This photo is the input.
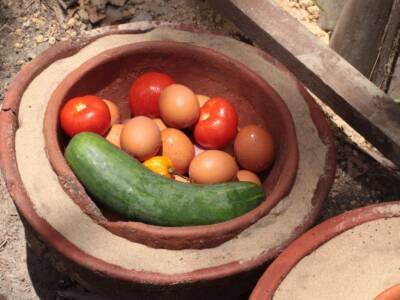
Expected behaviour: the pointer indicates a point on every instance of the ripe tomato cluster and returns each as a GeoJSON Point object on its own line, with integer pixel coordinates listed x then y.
{"type": "Point", "coordinates": [217, 122]}
{"type": "Point", "coordinates": [167, 118]}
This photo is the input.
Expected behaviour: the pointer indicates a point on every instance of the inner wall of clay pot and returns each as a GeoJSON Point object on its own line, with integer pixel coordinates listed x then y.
{"type": "Point", "coordinates": [205, 72]}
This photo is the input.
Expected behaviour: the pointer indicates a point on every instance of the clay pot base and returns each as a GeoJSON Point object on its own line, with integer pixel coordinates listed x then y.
{"type": "Point", "coordinates": [77, 237]}
{"type": "Point", "coordinates": [350, 257]}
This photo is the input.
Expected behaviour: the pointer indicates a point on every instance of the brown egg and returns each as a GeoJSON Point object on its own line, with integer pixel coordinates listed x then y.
{"type": "Point", "coordinates": [244, 175]}
{"type": "Point", "coordinates": [212, 166]}
{"type": "Point", "coordinates": [114, 112]}
{"type": "Point", "coordinates": [178, 147]}
{"type": "Point", "coordinates": [179, 107]}
{"type": "Point", "coordinates": [202, 99]}
{"type": "Point", "coordinates": [161, 125]}
{"type": "Point", "coordinates": [141, 137]}
{"type": "Point", "coordinates": [254, 148]}
{"type": "Point", "coordinates": [114, 135]}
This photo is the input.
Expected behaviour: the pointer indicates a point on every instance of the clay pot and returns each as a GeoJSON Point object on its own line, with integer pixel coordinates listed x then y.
{"type": "Point", "coordinates": [207, 72]}
{"type": "Point", "coordinates": [69, 230]}
{"type": "Point", "coordinates": [361, 231]}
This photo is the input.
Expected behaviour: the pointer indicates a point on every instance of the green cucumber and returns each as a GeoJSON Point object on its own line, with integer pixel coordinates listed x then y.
{"type": "Point", "coordinates": [123, 185]}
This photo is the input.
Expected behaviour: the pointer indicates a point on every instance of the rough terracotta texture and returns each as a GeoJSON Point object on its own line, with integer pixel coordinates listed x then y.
{"type": "Point", "coordinates": [342, 233]}
{"type": "Point", "coordinates": [123, 268]}
{"type": "Point", "coordinates": [207, 72]}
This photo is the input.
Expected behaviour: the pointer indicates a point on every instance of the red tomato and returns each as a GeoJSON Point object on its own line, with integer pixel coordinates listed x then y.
{"type": "Point", "coordinates": [217, 124]}
{"type": "Point", "coordinates": [145, 93]}
{"type": "Point", "coordinates": [86, 113]}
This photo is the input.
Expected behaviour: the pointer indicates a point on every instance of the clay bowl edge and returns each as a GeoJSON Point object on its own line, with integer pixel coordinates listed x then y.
{"type": "Point", "coordinates": [281, 177]}
{"type": "Point", "coordinates": [313, 239]}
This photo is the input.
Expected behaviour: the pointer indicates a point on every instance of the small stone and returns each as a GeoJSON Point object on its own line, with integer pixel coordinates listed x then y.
{"type": "Point", "coordinates": [300, 14]}
{"type": "Point", "coordinates": [67, 3]}
{"type": "Point", "coordinates": [38, 22]}
{"type": "Point", "coordinates": [126, 14]}
{"type": "Point", "coordinates": [72, 33]}
{"type": "Point", "coordinates": [20, 62]}
{"type": "Point", "coordinates": [306, 3]}
{"type": "Point", "coordinates": [83, 14]}
{"type": "Point", "coordinates": [71, 22]}
{"type": "Point", "coordinates": [114, 14]}
{"type": "Point", "coordinates": [52, 40]}
{"type": "Point", "coordinates": [313, 10]}
{"type": "Point", "coordinates": [26, 24]}
{"type": "Point", "coordinates": [118, 2]}
{"type": "Point", "coordinates": [39, 39]}
{"type": "Point", "coordinates": [18, 45]}
{"type": "Point", "coordinates": [141, 16]}
{"type": "Point", "coordinates": [94, 16]}
{"type": "Point", "coordinates": [18, 31]}
{"type": "Point", "coordinates": [100, 4]}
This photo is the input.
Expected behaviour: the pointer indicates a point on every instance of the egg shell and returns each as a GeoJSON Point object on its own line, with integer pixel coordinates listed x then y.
{"type": "Point", "coordinates": [245, 175]}
{"type": "Point", "coordinates": [213, 166]}
{"type": "Point", "coordinates": [179, 107]}
{"type": "Point", "coordinates": [177, 147]}
{"type": "Point", "coordinates": [254, 148]}
{"type": "Point", "coordinates": [202, 99]}
{"type": "Point", "coordinates": [141, 137]}
{"type": "Point", "coordinates": [114, 135]}
{"type": "Point", "coordinates": [114, 112]}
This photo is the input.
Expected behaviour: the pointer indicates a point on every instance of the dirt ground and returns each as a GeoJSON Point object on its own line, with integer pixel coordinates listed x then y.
{"type": "Point", "coordinates": [29, 27]}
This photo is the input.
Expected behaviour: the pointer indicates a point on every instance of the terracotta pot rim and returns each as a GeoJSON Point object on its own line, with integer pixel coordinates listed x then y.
{"type": "Point", "coordinates": [312, 240]}
{"type": "Point", "coordinates": [163, 236]}
{"type": "Point", "coordinates": [8, 126]}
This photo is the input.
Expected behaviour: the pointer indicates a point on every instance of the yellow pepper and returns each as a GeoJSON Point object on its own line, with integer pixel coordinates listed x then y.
{"type": "Point", "coordinates": [161, 165]}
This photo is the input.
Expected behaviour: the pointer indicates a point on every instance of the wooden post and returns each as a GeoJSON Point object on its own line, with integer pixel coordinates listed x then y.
{"type": "Point", "coordinates": [359, 32]}
{"type": "Point", "coordinates": [353, 97]}
{"type": "Point", "coordinates": [388, 60]}
{"type": "Point", "coordinates": [330, 13]}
